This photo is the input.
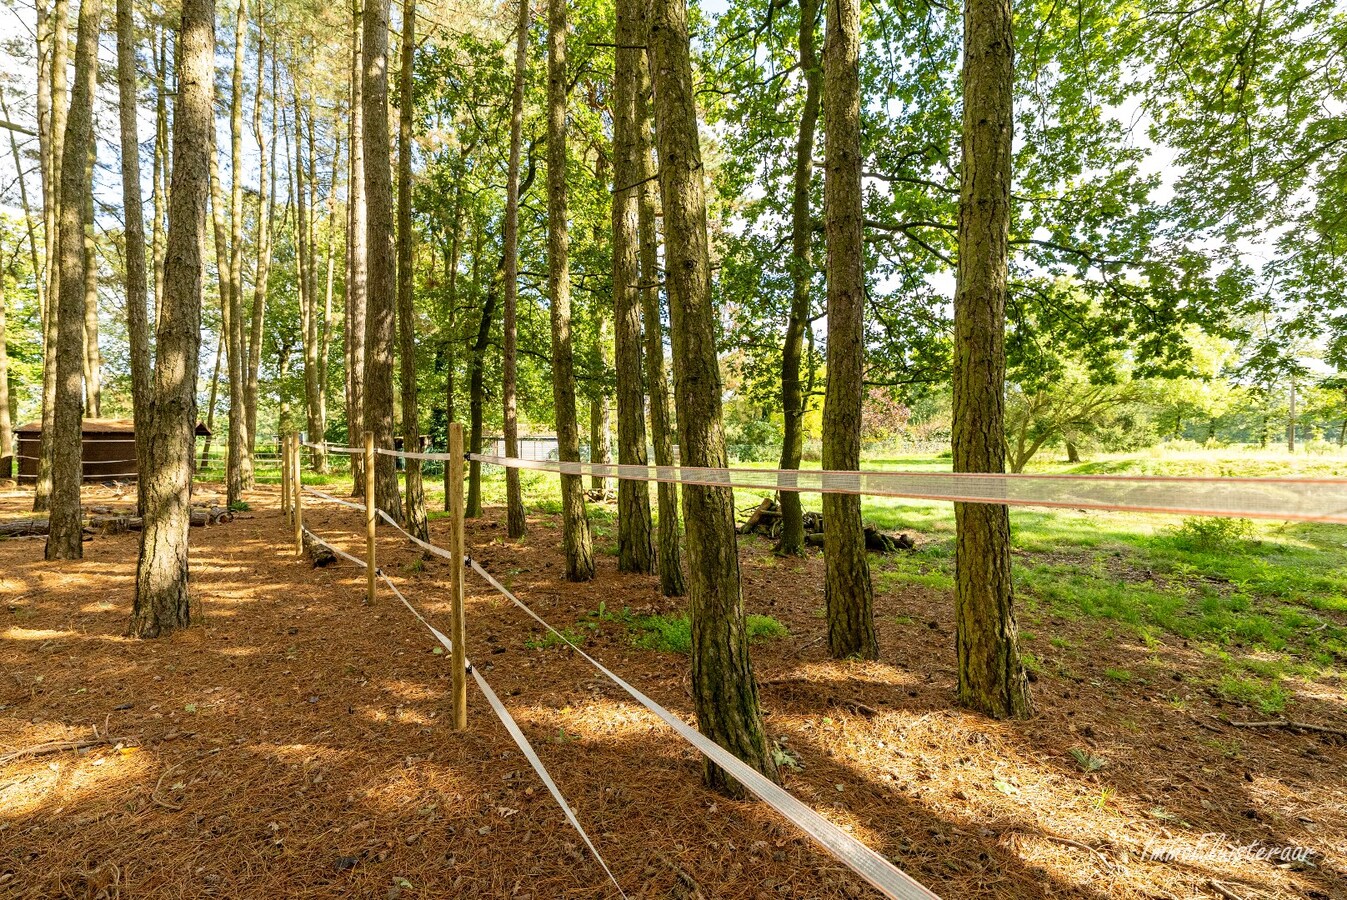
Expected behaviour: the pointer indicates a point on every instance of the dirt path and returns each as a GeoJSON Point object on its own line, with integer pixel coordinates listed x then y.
{"type": "Point", "coordinates": [296, 744]}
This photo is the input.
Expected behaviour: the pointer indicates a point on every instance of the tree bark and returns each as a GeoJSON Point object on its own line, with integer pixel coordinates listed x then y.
{"type": "Point", "coordinates": [791, 542]}
{"type": "Point", "coordinates": [576, 540]}
{"type": "Point", "coordinates": [239, 442]}
{"type": "Point", "coordinates": [211, 403]}
{"type": "Point", "coordinates": [381, 302]}
{"type": "Point", "coordinates": [600, 425]}
{"type": "Point", "coordinates": [311, 324]}
{"type": "Point", "coordinates": [93, 360]}
{"type": "Point", "coordinates": [477, 380]}
{"type": "Point", "coordinates": [233, 470]}
{"type": "Point", "coordinates": [724, 690]}
{"type": "Point", "coordinates": [357, 261]}
{"type": "Point", "coordinates": [46, 166]}
{"type": "Point", "coordinates": [671, 581]}
{"type": "Point", "coordinates": [411, 418]}
{"type": "Point", "coordinates": [162, 600]}
{"type": "Point", "coordinates": [52, 189]}
{"type": "Point", "coordinates": [849, 594]}
{"type": "Point", "coordinates": [266, 184]}
{"type": "Point", "coordinates": [6, 424]}
{"type": "Point", "coordinates": [635, 551]}
{"type": "Point", "coordinates": [991, 675]}
{"type": "Point", "coordinates": [137, 325]}
{"type": "Point", "coordinates": [514, 499]}
{"type": "Point", "coordinates": [160, 175]}
{"type": "Point", "coordinates": [66, 539]}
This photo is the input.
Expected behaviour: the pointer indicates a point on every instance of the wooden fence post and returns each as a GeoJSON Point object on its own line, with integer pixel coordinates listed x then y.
{"type": "Point", "coordinates": [457, 629]}
{"type": "Point", "coordinates": [296, 473]}
{"type": "Point", "coordinates": [369, 515]}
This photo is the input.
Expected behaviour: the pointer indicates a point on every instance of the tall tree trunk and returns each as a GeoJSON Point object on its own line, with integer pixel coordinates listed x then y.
{"type": "Point", "coordinates": [671, 581]}
{"type": "Point", "coordinates": [991, 675]}
{"type": "Point", "coordinates": [724, 690]}
{"type": "Point", "coordinates": [93, 360]}
{"type": "Point", "coordinates": [514, 499]}
{"type": "Point", "coordinates": [357, 261]}
{"type": "Point", "coordinates": [52, 189]}
{"type": "Point", "coordinates": [266, 185]}
{"type": "Point", "coordinates": [849, 594]}
{"type": "Point", "coordinates": [325, 341]}
{"type": "Point", "coordinates": [137, 326]}
{"type": "Point", "coordinates": [239, 442]}
{"type": "Point", "coordinates": [576, 541]}
{"type": "Point", "coordinates": [635, 551]}
{"type": "Point", "coordinates": [233, 470]}
{"type": "Point", "coordinates": [162, 600]}
{"type": "Point", "coordinates": [46, 167]}
{"type": "Point", "coordinates": [411, 419]}
{"type": "Point", "coordinates": [214, 397]}
{"type": "Point", "coordinates": [791, 542]}
{"type": "Point", "coordinates": [160, 176]}
{"type": "Point", "coordinates": [600, 421]}
{"type": "Point", "coordinates": [310, 321]}
{"type": "Point", "coordinates": [6, 422]}
{"type": "Point", "coordinates": [381, 302]}
{"type": "Point", "coordinates": [66, 537]}
{"type": "Point", "coordinates": [29, 222]}
{"type": "Point", "coordinates": [477, 379]}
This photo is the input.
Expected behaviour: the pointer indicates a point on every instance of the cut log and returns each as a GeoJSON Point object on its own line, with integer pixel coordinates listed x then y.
{"type": "Point", "coordinates": [24, 528]}
{"type": "Point", "coordinates": [763, 518]}
{"type": "Point", "coordinates": [319, 553]}
{"type": "Point", "coordinates": [201, 516]}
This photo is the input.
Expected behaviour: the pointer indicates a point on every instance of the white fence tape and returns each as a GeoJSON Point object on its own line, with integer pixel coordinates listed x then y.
{"type": "Point", "coordinates": [878, 871]}
{"type": "Point", "coordinates": [501, 712]}
{"type": "Point", "coordinates": [1302, 499]}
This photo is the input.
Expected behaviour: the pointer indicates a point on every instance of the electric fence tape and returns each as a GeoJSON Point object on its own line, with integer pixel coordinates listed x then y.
{"type": "Point", "coordinates": [499, 708]}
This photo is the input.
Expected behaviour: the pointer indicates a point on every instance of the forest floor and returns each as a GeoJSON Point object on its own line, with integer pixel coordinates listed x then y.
{"type": "Point", "coordinates": [296, 743]}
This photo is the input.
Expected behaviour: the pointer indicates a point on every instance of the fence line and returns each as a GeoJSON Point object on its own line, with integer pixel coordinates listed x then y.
{"type": "Point", "coordinates": [1285, 498]}
{"type": "Point", "coordinates": [865, 862]}
{"type": "Point", "coordinates": [493, 700]}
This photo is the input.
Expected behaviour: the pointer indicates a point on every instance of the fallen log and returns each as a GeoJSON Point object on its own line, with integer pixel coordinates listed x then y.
{"type": "Point", "coordinates": [117, 524]}
{"type": "Point", "coordinates": [24, 528]}
{"type": "Point", "coordinates": [875, 540]}
{"type": "Point", "coordinates": [321, 555]}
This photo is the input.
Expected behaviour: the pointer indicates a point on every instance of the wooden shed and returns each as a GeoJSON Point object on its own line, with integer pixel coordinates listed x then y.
{"type": "Point", "coordinates": [108, 448]}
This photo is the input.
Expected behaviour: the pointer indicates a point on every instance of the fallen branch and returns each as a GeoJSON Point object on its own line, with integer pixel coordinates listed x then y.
{"type": "Point", "coordinates": [1068, 842]}
{"type": "Point", "coordinates": [1288, 725]}
{"type": "Point", "coordinates": [1221, 889]}
{"type": "Point", "coordinates": [56, 747]}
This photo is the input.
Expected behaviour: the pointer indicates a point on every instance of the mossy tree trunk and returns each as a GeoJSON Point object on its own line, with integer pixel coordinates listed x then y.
{"type": "Point", "coordinates": [357, 259]}
{"type": "Point", "coordinates": [381, 302]}
{"type": "Point", "coordinates": [671, 580]}
{"type": "Point", "coordinates": [576, 540]}
{"type": "Point", "coordinates": [515, 524]}
{"type": "Point", "coordinates": [793, 399]}
{"type": "Point", "coordinates": [849, 594]}
{"type": "Point", "coordinates": [725, 692]}
{"type": "Point", "coordinates": [635, 552]}
{"type": "Point", "coordinates": [991, 674]}
{"type": "Point", "coordinates": [411, 420]}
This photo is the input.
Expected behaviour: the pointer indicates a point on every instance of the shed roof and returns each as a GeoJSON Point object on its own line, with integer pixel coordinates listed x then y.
{"type": "Point", "coordinates": [103, 426]}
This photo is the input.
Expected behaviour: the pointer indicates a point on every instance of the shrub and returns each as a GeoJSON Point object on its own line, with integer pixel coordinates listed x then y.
{"type": "Point", "coordinates": [1209, 533]}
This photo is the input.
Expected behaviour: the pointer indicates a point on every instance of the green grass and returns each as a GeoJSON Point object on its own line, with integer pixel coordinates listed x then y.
{"type": "Point", "coordinates": [673, 634]}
